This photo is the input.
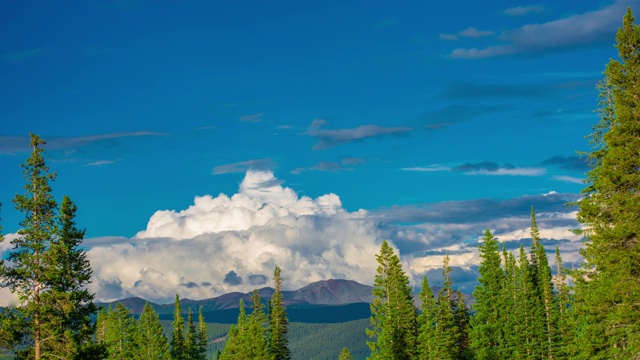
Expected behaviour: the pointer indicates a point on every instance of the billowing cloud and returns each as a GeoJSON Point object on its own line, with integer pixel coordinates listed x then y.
{"type": "Point", "coordinates": [224, 239]}
{"type": "Point", "coordinates": [331, 137]}
{"type": "Point", "coordinates": [244, 166]}
{"type": "Point", "coordinates": [523, 10]}
{"type": "Point", "coordinates": [580, 29]}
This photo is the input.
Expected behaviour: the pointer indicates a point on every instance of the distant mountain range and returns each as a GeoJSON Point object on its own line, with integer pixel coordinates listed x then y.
{"type": "Point", "coordinates": [326, 301]}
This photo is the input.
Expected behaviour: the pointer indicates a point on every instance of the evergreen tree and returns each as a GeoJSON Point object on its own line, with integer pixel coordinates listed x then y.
{"type": "Point", "coordinates": [178, 348]}
{"type": "Point", "coordinates": [528, 328]}
{"type": "Point", "coordinates": [118, 332]}
{"type": "Point", "coordinates": [426, 322]}
{"type": "Point", "coordinates": [488, 321]}
{"type": "Point", "coordinates": [607, 290]}
{"type": "Point", "coordinates": [191, 338]}
{"type": "Point", "coordinates": [463, 323]}
{"type": "Point", "coordinates": [30, 265]}
{"type": "Point", "coordinates": [345, 354]}
{"type": "Point", "coordinates": [48, 271]}
{"type": "Point", "coordinates": [278, 322]}
{"type": "Point", "coordinates": [393, 315]}
{"type": "Point", "coordinates": [153, 344]}
{"type": "Point", "coordinates": [235, 347]}
{"type": "Point", "coordinates": [565, 317]}
{"type": "Point", "coordinates": [203, 338]}
{"type": "Point", "coordinates": [447, 335]}
{"type": "Point", "coordinates": [510, 313]}
{"type": "Point", "coordinates": [256, 333]}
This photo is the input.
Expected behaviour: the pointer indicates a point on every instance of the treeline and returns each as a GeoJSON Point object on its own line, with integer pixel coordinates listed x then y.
{"type": "Point", "coordinates": [516, 312]}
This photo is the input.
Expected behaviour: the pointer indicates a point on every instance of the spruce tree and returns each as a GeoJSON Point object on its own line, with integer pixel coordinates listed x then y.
{"type": "Point", "coordinates": [191, 338]}
{"type": "Point", "coordinates": [119, 333]}
{"type": "Point", "coordinates": [565, 322]}
{"type": "Point", "coordinates": [487, 323]}
{"type": "Point", "coordinates": [203, 338]}
{"type": "Point", "coordinates": [426, 322]}
{"type": "Point", "coordinates": [150, 338]}
{"type": "Point", "coordinates": [256, 332]}
{"type": "Point", "coordinates": [608, 285]}
{"type": "Point", "coordinates": [345, 354]}
{"type": "Point", "coordinates": [393, 315]}
{"type": "Point", "coordinates": [529, 326]}
{"type": "Point", "coordinates": [178, 349]}
{"type": "Point", "coordinates": [447, 334]}
{"type": "Point", "coordinates": [507, 349]}
{"type": "Point", "coordinates": [278, 322]}
{"type": "Point", "coordinates": [235, 347]}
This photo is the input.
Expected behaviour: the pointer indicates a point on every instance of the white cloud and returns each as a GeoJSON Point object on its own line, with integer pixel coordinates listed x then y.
{"type": "Point", "coordinates": [100, 163]}
{"type": "Point", "coordinates": [430, 168]}
{"type": "Point", "coordinates": [448, 37]}
{"type": "Point", "coordinates": [263, 225]}
{"type": "Point", "coordinates": [569, 179]}
{"type": "Point", "coordinates": [526, 171]}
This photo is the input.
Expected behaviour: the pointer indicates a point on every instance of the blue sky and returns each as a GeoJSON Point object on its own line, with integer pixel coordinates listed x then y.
{"type": "Point", "coordinates": [429, 122]}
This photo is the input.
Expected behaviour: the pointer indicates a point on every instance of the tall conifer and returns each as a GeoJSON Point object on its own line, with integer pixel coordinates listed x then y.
{"type": "Point", "coordinates": [178, 349]}
{"type": "Point", "coordinates": [608, 286]}
{"type": "Point", "coordinates": [278, 322]}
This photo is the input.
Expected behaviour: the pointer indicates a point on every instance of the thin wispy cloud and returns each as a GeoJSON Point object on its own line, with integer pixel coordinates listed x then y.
{"type": "Point", "coordinates": [523, 10]}
{"type": "Point", "coordinates": [346, 164]}
{"type": "Point", "coordinates": [244, 166]}
{"type": "Point", "coordinates": [569, 179]}
{"type": "Point", "coordinates": [252, 118]}
{"type": "Point", "coordinates": [470, 32]}
{"type": "Point", "coordinates": [17, 144]}
{"type": "Point", "coordinates": [482, 168]}
{"type": "Point", "coordinates": [574, 163]}
{"type": "Point", "coordinates": [467, 90]}
{"type": "Point", "coordinates": [328, 138]}
{"type": "Point", "coordinates": [100, 163]}
{"type": "Point", "coordinates": [18, 56]}
{"type": "Point", "coordinates": [581, 29]}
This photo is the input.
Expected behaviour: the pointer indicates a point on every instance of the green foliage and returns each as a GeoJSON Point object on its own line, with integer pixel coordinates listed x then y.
{"type": "Point", "coordinates": [487, 323]}
{"type": "Point", "coordinates": [203, 339]}
{"type": "Point", "coordinates": [191, 338]}
{"type": "Point", "coordinates": [607, 293]}
{"type": "Point", "coordinates": [427, 322]}
{"type": "Point", "coordinates": [48, 271]}
{"type": "Point", "coordinates": [178, 348]}
{"type": "Point", "coordinates": [447, 334]}
{"type": "Point", "coordinates": [278, 322]}
{"type": "Point", "coordinates": [393, 315]}
{"type": "Point", "coordinates": [345, 354]}
{"type": "Point", "coordinates": [150, 338]}
{"type": "Point", "coordinates": [117, 331]}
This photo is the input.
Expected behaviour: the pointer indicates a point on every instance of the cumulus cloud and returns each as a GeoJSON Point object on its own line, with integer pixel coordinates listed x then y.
{"type": "Point", "coordinates": [579, 29]}
{"type": "Point", "coordinates": [235, 242]}
{"type": "Point", "coordinates": [244, 166]}
{"type": "Point", "coordinates": [328, 138]}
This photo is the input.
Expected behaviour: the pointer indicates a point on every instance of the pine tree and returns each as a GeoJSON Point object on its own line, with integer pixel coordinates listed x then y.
{"type": "Point", "coordinates": [507, 349]}
{"type": "Point", "coordinates": [528, 329]}
{"type": "Point", "coordinates": [203, 338]}
{"type": "Point", "coordinates": [345, 354]}
{"type": "Point", "coordinates": [278, 322]}
{"type": "Point", "coordinates": [153, 344]}
{"type": "Point", "coordinates": [178, 349]}
{"type": "Point", "coordinates": [447, 335]}
{"type": "Point", "coordinates": [426, 322]}
{"type": "Point", "coordinates": [607, 290]}
{"type": "Point", "coordinates": [487, 323]}
{"type": "Point", "coordinates": [393, 315]}
{"type": "Point", "coordinates": [463, 323]}
{"type": "Point", "coordinates": [565, 316]}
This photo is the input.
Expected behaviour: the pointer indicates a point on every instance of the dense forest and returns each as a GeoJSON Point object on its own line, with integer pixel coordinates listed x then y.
{"type": "Point", "coordinates": [520, 309]}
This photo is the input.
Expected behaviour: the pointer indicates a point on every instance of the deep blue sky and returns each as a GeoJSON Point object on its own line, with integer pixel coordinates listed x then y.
{"type": "Point", "coordinates": [396, 107]}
